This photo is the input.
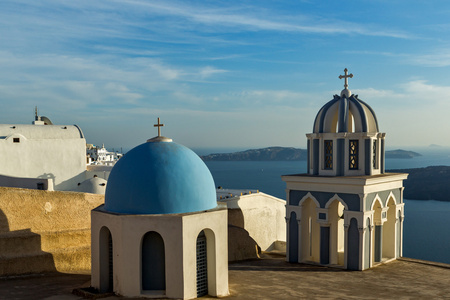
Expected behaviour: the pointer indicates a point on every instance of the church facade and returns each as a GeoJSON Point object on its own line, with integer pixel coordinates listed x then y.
{"type": "Point", "coordinates": [346, 211]}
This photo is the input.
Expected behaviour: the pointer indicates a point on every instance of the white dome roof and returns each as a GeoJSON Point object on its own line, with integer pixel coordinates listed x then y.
{"type": "Point", "coordinates": [93, 185]}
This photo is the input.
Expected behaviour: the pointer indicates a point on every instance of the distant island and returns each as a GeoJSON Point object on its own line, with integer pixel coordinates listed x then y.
{"type": "Point", "coordinates": [401, 154]}
{"type": "Point", "coordinates": [264, 154]}
{"type": "Point", "coordinates": [430, 183]}
{"type": "Point", "coordinates": [286, 154]}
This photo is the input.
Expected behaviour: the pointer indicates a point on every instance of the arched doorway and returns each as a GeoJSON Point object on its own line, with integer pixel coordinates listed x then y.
{"type": "Point", "coordinates": [353, 245]}
{"type": "Point", "coordinates": [106, 260]}
{"type": "Point", "coordinates": [377, 240]}
{"type": "Point", "coordinates": [389, 229]}
{"type": "Point", "coordinates": [202, 265]}
{"type": "Point", "coordinates": [293, 238]}
{"type": "Point", "coordinates": [337, 238]}
{"type": "Point", "coordinates": [153, 262]}
{"type": "Point", "coordinates": [310, 232]}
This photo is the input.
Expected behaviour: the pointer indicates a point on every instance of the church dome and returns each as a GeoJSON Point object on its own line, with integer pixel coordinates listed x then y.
{"type": "Point", "coordinates": [160, 177]}
{"type": "Point", "coordinates": [345, 114]}
{"type": "Point", "coordinates": [94, 185]}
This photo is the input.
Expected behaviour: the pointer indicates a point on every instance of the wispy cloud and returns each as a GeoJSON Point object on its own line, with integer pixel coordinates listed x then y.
{"type": "Point", "coordinates": [434, 58]}
{"type": "Point", "coordinates": [253, 18]}
{"type": "Point", "coordinates": [208, 71]}
{"type": "Point", "coordinates": [439, 58]}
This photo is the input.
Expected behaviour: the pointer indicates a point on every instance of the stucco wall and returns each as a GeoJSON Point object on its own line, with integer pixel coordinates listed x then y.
{"type": "Point", "coordinates": [45, 231]}
{"type": "Point", "coordinates": [26, 183]}
{"type": "Point", "coordinates": [261, 215]}
{"type": "Point", "coordinates": [45, 155]}
{"type": "Point", "coordinates": [101, 171]}
{"type": "Point", "coordinates": [41, 211]}
{"type": "Point", "coordinates": [179, 234]}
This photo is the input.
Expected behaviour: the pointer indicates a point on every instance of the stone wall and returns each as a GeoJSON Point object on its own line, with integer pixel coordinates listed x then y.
{"type": "Point", "coordinates": [45, 231]}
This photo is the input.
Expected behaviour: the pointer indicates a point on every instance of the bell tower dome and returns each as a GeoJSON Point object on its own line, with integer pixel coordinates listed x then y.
{"type": "Point", "coordinates": [346, 140]}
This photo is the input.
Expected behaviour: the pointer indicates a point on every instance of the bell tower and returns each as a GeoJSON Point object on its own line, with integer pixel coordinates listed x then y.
{"type": "Point", "coordinates": [345, 211]}
{"type": "Point", "coordinates": [345, 139]}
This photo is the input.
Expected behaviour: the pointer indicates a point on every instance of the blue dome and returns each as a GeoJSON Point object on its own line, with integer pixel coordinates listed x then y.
{"type": "Point", "coordinates": [160, 177]}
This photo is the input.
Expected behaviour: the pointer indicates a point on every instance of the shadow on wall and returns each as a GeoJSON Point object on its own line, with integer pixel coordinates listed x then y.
{"type": "Point", "coordinates": [47, 176]}
{"type": "Point", "coordinates": [4, 225]}
{"type": "Point", "coordinates": [21, 251]}
{"type": "Point", "coordinates": [71, 183]}
{"type": "Point", "coordinates": [240, 244]}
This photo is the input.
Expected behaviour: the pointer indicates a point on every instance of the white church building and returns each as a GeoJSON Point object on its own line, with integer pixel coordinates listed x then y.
{"type": "Point", "coordinates": [346, 211]}
{"type": "Point", "coordinates": [45, 156]}
{"type": "Point", "coordinates": [42, 155]}
{"type": "Point", "coordinates": [160, 232]}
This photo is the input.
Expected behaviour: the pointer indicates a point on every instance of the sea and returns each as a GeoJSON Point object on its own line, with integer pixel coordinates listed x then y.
{"type": "Point", "coordinates": [426, 232]}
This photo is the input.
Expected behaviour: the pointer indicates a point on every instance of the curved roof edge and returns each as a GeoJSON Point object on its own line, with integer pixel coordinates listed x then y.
{"type": "Point", "coordinates": [352, 105]}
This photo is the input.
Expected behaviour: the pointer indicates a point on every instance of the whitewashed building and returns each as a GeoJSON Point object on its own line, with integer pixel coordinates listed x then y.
{"type": "Point", "coordinates": [100, 155]}
{"type": "Point", "coordinates": [346, 211]}
{"type": "Point", "coordinates": [160, 232]}
{"type": "Point", "coordinates": [42, 155]}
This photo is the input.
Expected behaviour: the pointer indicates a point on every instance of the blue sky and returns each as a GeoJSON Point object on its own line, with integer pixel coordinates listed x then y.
{"type": "Point", "coordinates": [233, 74]}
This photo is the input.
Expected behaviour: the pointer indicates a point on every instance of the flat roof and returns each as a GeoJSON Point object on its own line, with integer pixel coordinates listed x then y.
{"type": "Point", "coordinates": [230, 193]}
{"type": "Point", "coordinates": [271, 277]}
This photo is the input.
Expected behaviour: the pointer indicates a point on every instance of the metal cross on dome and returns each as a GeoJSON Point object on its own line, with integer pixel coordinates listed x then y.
{"type": "Point", "coordinates": [346, 76]}
{"type": "Point", "coordinates": [159, 125]}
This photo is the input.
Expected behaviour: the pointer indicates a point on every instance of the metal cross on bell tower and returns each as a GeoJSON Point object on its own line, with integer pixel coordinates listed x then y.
{"type": "Point", "coordinates": [346, 92]}
{"type": "Point", "coordinates": [346, 76]}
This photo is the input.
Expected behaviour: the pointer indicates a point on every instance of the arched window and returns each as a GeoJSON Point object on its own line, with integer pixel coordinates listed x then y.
{"type": "Point", "coordinates": [328, 154]}
{"type": "Point", "coordinates": [153, 262]}
{"type": "Point", "coordinates": [106, 260]}
{"type": "Point", "coordinates": [293, 238]}
{"type": "Point", "coordinates": [202, 265]}
{"type": "Point", "coordinates": [353, 245]}
{"type": "Point", "coordinates": [353, 154]}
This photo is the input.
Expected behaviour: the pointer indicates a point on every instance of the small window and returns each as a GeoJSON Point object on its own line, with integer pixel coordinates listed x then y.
{"type": "Point", "coordinates": [328, 146]}
{"type": "Point", "coordinates": [354, 153]}
{"type": "Point", "coordinates": [16, 140]}
{"type": "Point", "coordinates": [374, 155]}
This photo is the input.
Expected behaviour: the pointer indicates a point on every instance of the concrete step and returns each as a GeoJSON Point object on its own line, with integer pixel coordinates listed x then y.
{"type": "Point", "coordinates": [73, 259]}
{"type": "Point", "coordinates": [25, 252]}
{"type": "Point", "coordinates": [65, 239]}
{"type": "Point", "coordinates": [38, 262]}
{"type": "Point", "coordinates": [21, 241]}
{"type": "Point", "coordinates": [27, 242]}
{"type": "Point", "coordinates": [69, 260]}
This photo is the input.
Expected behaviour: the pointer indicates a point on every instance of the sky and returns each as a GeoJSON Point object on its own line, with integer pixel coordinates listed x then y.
{"type": "Point", "coordinates": [224, 74]}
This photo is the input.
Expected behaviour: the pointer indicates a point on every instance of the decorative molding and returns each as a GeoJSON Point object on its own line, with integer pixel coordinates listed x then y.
{"type": "Point", "coordinates": [377, 198]}
{"type": "Point", "coordinates": [336, 197]}
{"type": "Point", "coordinates": [309, 196]}
{"type": "Point", "coordinates": [391, 195]}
